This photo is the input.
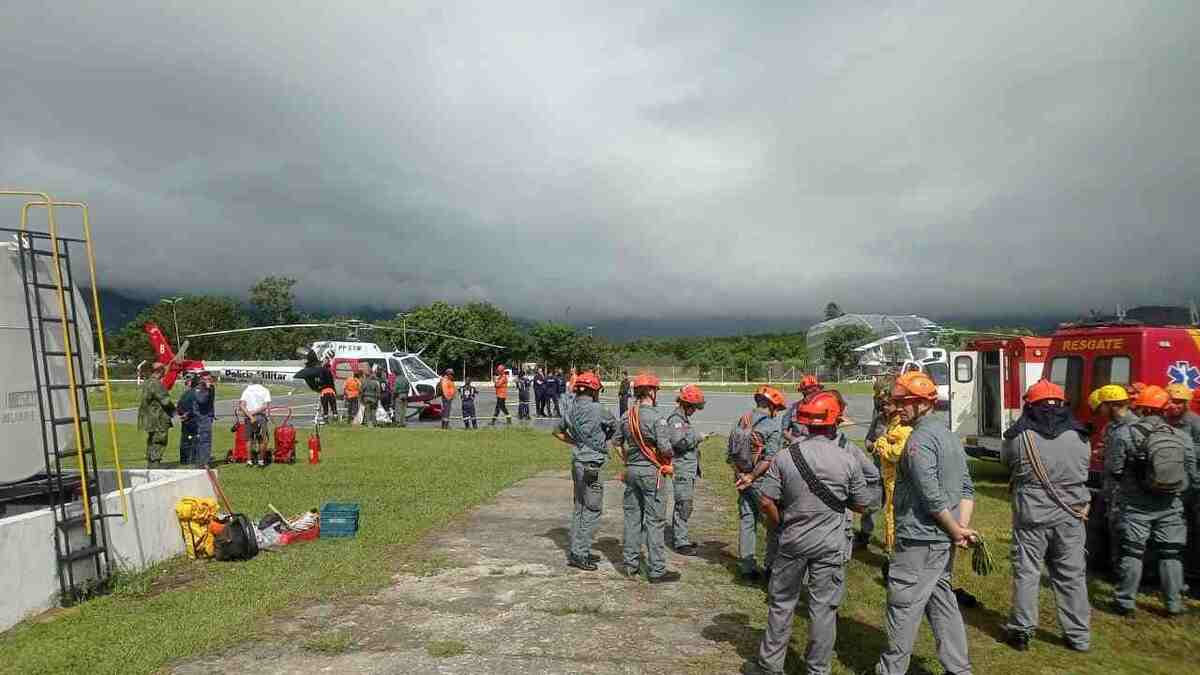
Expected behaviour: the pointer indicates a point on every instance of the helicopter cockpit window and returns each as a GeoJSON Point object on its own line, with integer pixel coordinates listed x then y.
{"type": "Point", "coordinates": [418, 369]}
{"type": "Point", "coordinates": [395, 366]}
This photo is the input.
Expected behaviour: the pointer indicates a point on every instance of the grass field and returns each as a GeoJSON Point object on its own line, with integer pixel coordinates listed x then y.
{"type": "Point", "coordinates": [406, 481]}
{"type": "Point", "coordinates": [128, 394]}
{"type": "Point", "coordinates": [409, 481]}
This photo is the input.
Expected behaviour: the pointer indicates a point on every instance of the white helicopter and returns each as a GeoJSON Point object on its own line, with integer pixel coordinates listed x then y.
{"type": "Point", "coordinates": [326, 362]}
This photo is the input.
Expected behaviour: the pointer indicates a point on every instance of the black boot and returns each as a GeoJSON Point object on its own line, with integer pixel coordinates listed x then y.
{"type": "Point", "coordinates": [581, 564]}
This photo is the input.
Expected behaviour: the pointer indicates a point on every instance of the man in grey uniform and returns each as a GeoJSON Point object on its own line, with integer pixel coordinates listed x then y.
{"type": "Point", "coordinates": [812, 484]}
{"type": "Point", "coordinates": [758, 428]}
{"type": "Point", "coordinates": [1148, 515]}
{"type": "Point", "coordinates": [1112, 406]}
{"type": "Point", "coordinates": [685, 442]}
{"type": "Point", "coordinates": [1048, 453]}
{"type": "Point", "coordinates": [646, 446]}
{"type": "Point", "coordinates": [1187, 421]}
{"type": "Point", "coordinates": [934, 501]}
{"type": "Point", "coordinates": [586, 426]}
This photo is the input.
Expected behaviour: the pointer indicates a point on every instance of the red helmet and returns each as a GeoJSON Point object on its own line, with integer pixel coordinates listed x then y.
{"type": "Point", "coordinates": [692, 395]}
{"type": "Point", "coordinates": [914, 384]}
{"type": "Point", "coordinates": [1045, 390]}
{"type": "Point", "coordinates": [772, 394]}
{"type": "Point", "coordinates": [587, 380]}
{"type": "Point", "coordinates": [645, 380]}
{"type": "Point", "coordinates": [822, 410]}
{"type": "Point", "coordinates": [807, 382]}
{"type": "Point", "coordinates": [1153, 397]}
{"type": "Point", "coordinates": [1196, 401]}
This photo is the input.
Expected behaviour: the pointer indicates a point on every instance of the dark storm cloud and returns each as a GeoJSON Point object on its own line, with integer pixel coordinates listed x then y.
{"type": "Point", "coordinates": [672, 161]}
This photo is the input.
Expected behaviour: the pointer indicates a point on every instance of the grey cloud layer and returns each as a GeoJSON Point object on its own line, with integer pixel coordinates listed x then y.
{"type": "Point", "coordinates": [952, 159]}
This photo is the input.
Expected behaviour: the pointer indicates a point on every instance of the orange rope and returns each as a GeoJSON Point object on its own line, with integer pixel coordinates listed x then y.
{"type": "Point", "coordinates": [635, 430]}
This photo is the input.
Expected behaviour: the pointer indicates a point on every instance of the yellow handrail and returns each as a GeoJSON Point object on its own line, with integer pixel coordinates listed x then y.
{"type": "Point", "coordinates": [112, 418]}
{"type": "Point", "coordinates": [62, 305]}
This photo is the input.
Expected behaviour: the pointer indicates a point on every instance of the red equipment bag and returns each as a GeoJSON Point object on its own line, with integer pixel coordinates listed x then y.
{"type": "Point", "coordinates": [285, 441]}
{"type": "Point", "coordinates": [240, 453]}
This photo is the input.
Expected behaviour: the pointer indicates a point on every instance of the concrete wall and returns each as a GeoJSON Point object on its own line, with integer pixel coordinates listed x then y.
{"type": "Point", "coordinates": [29, 581]}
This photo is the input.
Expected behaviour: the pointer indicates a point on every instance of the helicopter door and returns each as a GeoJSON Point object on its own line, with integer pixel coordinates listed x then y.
{"type": "Point", "coordinates": [342, 369]}
{"type": "Point", "coordinates": [964, 381]}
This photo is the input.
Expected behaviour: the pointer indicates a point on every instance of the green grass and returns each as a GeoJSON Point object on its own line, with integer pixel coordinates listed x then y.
{"type": "Point", "coordinates": [1145, 644]}
{"type": "Point", "coordinates": [128, 394]}
{"type": "Point", "coordinates": [335, 642]}
{"type": "Point", "coordinates": [443, 649]}
{"type": "Point", "coordinates": [406, 482]}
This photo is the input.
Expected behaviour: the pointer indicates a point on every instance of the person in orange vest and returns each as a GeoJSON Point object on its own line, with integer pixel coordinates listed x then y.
{"type": "Point", "coordinates": [447, 391]}
{"type": "Point", "coordinates": [352, 388]}
{"type": "Point", "coordinates": [501, 382]}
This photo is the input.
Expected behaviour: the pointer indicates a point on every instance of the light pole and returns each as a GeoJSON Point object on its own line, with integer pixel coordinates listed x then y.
{"type": "Point", "coordinates": [174, 316]}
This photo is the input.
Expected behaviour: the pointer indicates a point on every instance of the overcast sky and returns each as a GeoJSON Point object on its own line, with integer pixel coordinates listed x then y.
{"type": "Point", "coordinates": [667, 160]}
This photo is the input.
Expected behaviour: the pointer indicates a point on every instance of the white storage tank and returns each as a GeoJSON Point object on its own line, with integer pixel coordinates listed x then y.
{"type": "Point", "coordinates": [21, 425]}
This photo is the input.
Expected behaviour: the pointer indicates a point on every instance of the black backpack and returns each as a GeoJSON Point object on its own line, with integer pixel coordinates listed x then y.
{"type": "Point", "coordinates": [237, 541]}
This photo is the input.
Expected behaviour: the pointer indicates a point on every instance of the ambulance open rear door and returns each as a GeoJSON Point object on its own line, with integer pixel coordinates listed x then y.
{"type": "Point", "coordinates": [964, 381]}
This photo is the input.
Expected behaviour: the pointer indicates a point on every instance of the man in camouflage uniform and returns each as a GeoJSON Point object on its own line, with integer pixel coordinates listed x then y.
{"type": "Point", "coordinates": [154, 415]}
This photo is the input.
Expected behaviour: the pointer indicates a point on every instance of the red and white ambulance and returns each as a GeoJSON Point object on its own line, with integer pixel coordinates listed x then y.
{"type": "Point", "coordinates": [987, 381]}
{"type": "Point", "coordinates": [1084, 358]}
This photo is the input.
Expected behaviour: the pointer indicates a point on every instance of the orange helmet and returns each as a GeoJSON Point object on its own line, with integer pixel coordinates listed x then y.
{"type": "Point", "coordinates": [1196, 401]}
{"type": "Point", "coordinates": [1153, 397]}
{"type": "Point", "coordinates": [1137, 387]}
{"type": "Point", "coordinates": [772, 395]}
{"type": "Point", "coordinates": [1045, 390]}
{"type": "Point", "coordinates": [645, 380]}
{"type": "Point", "coordinates": [822, 410]}
{"type": "Point", "coordinates": [692, 395]}
{"type": "Point", "coordinates": [807, 382]}
{"type": "Point", "coordinates": [1179, 392]}
{"type": "Point", "coordinates": [587, 380]}
{"type": "Point", "coordinates": [914, 384]}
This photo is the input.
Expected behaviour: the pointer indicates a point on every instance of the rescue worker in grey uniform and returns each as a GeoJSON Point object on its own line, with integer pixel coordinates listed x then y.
{"type": "Point", "coordinates": [934, 501]}
{"type": "Point", "coordinates": [1148, 516]}
{"type": "Point", "coordinates": [1178, 415]}
{"type": "Point", "coordinates": [587, 426]}
{"type": "Point", "coordinates": [812, 547]}
{"type": "Point", "coordinates": [1112, 406]}
{"type": "Point", "coordinates": [1048, 517]}
{"type": "Point", "coordinates": [750, 478]}
{"type": "Point", "coordinates": [685, 443]}
{"type": "Point", "coordinates": [646, 446]}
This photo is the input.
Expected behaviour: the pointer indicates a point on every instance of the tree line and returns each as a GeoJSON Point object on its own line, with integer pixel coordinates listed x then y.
{"type": "Point", "coordinates": [271, 301]}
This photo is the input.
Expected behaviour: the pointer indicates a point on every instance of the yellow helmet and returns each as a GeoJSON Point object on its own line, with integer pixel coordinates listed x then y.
{"type": "Point", "coordinates": [1179, 392]}
{"type": "Point", "coordinates": [1094, 400]}
{"type": "Point", "coordinates": [1109, 393]}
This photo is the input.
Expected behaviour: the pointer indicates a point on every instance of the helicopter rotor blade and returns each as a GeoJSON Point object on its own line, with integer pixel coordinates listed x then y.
{"type": "Point", "coordinates": [233, 331]}
{"type": "Point", "coordinates": [431, 332]}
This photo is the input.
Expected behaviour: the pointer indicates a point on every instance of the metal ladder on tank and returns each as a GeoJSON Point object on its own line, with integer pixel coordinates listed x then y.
{"type": "Point", "coordinates": [80, 536]}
